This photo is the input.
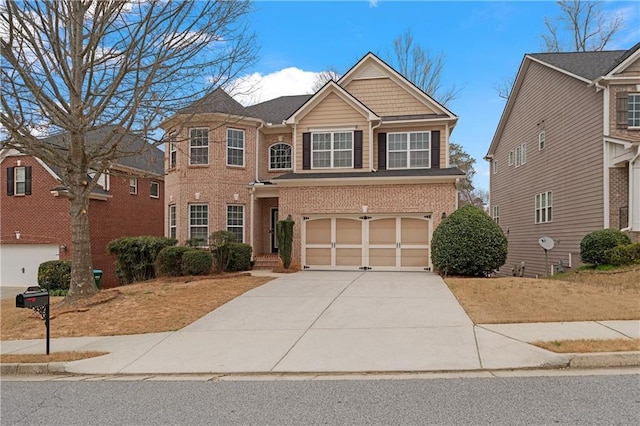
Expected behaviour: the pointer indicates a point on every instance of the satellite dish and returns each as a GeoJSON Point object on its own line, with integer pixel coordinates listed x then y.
{"type": "Point", "coordinates": [547, 243]}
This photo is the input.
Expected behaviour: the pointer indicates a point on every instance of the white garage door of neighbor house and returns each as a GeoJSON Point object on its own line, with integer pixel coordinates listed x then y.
{"type": "Point", "coordinates": [19, 263]}
{"type": "Point", "coordinates": [377, 243]}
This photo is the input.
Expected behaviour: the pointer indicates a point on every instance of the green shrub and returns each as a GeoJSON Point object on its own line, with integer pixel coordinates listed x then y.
{"type": "Point", "coordinates": [169, 261]}
{"type": "Point", "coordinates": [196, 262]}
{"type": "Point", "coordinates": [219, 245]}
{"type": "Point", "coordinates": [594, 245]}
{"type": "Point", "coordinates": [56, 272]}
{"type": "Point", "coordinates": [135, 256]}
{"type": "Point", "coordinates": [468, 243]}
{"type": "Point", "coordinates": [284, 235]}
{"type": "Point", "coordinates": [240, 257]}
{"type": "Point", "coordinates": [623, 255]}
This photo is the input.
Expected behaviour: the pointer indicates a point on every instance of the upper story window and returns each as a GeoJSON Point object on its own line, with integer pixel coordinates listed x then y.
{"type": "Point", "coordinates": [154, 190]}
{"type": "Point", "coordinates": [103, 180]}
{"type": "Point", "coordinates": [133, 185]}
{"type": "Point", "coordinates": [235, 147]}
{"type": "Point", "coordinates": [495, 214]}
{"type": "Point", "coordinates": [633, 112]}
{"type": "Point", "coordinates": [173, 150]}
{"type": "Point", "coordinates": [408, 150]}
{"type": "Point", "coordinates": [19, 180]}
{"type": "Point", "coordinates": [544, 203]}
{"type": "Point", "coordinates": [198, 146]}
{"type": "Point", "coordinates": [280, 156]}
{"type": "Point", "coordinates": [331, 149]}
{"type": "Point", "coordinates": [520, 155]}
{"type": "Point", "coordinates": [541, 140]}
{"type": "Point", "coordinates": [510, 158]}
{"type": "Point", "coordinates": [495, 167]}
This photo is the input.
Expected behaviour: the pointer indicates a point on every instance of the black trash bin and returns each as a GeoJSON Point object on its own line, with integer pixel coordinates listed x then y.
{"type": "Point", "coordinates": [97, 276]}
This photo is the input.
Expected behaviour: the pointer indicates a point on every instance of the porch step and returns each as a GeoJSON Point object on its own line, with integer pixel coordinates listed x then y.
{"type": "Point", "coordinates": [266, 262]}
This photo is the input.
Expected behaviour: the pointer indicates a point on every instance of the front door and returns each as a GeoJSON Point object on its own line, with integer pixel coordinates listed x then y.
{"type": "Point", "coordinates": [272, 231]}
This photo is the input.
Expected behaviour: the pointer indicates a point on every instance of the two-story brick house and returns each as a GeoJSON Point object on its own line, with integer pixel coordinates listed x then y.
{"type": "Point", "coordinates": [35, 225]}
{"type": "Point", "coordinates": [565, 156]}
{"type": "Point", "coordinates": [361, 166]}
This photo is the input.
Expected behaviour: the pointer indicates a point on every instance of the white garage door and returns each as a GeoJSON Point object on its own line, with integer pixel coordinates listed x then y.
{"type": "Point", "coordinates": [380, 243]}
{"type": "Point", "coordinates": [19, 263]}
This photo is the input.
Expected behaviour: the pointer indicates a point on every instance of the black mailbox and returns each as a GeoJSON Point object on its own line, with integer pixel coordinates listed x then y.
{"type": "Point", "coordinates": [32, 298]}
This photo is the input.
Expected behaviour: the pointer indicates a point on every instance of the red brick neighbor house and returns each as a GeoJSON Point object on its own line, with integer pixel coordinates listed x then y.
{"type": "Point", "coordinates": [361, 166]}
{"type": "Point", "coordinates": [565, 158]}
{"type": "Point", "coordinates": [34, 218]}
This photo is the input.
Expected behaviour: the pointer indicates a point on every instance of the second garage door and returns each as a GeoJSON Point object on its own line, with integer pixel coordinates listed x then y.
{"type": "Point", "coordinates": [367, 243]}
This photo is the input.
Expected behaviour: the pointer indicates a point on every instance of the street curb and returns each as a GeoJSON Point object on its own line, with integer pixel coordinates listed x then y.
{"type": "Point", "coordinates": [608, 359]}
{"type": "Point", "coordinates": [32, 369]}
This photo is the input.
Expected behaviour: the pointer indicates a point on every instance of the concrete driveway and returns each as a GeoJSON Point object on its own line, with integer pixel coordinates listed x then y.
{"type": "Point", "coordinates": [320, 322]}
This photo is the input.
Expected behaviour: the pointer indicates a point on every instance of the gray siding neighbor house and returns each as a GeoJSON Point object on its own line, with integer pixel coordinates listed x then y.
{"type": "Point", "coordinates": [565, 158]}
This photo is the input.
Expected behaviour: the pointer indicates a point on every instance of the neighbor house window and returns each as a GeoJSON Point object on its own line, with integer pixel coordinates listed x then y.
{"type": "Point", "coordinates": [235, 221]}
{"type": "Point", "coordinates": [199, 146]}
{"type": "Point", "coordinates": [19, 180]}
{"type": "Point", "coordinates": [199, 223]}
{"type": "Point", "coordinates": [544, 203]}
{"type": "Point", "coordinates": [520, 155]}
{"type": "Point", "coordinates": [172, 221]}
{"type": "Point", "coordinates": [280, 156]}
{"type": "Point", "coordinates": [133, 185]}
{"type": "Point", "coordinates": [634, 110]}
{"type": "Point", "coordinates": [154, 190]}
{"type": "Point", "coordinates": [541, 140]}
{"type": "Point", "coordinates": [495, 214]}
{"type": "Point", "coordinates": [235, 147]}
{"type": "Point", "coordinates": [495, 166]}
{"type": "Point", "coordinates": [408, 150]}
{"type": "Point", "coordinates": [510, 158]}
{"type": "Point", "coordinates": [331, 149]}
{"type": "Point", "coordinates": [173, 150]}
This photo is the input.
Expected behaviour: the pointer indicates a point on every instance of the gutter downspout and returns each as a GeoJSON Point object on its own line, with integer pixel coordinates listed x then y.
{"type": "Point", "coordinates": [371, 142]}
{"type": "Point", "coordinates": [252, 191]}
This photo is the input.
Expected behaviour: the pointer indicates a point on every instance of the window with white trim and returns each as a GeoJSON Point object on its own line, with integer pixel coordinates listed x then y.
{"type": "Point", "coordinates": [520, 155]}
{"type": "Point", "coordinates": [173, 150]}
{"type": "Point", "coordinates": [332, 149]}
{"type": "Point", "coordinates": [133, 185]}
{"type": "Point", "coordinates": [541, 140]}
{"type": "Point", "coordinates": [19, 180]}
{"type": "Point", "coordinates": [280, 156]}
{"type": "Point", "coordinates": [199, 223]}
{"type": "Point", "coordinates": [172, 221]}
{"type": "Point", "coordinates": [495, 214]}
{"type": "Point", "coordinates": [408, 150]}
{"type": "Point", "coordinates": [198, 146]}
{"type": "Point", "coordinates": [235, 147]}
{"type": "Point", "coordinates": [544, 204]}
{"type": "Point", "coordinates": [154, 190]}
{"type": "Point", "coordinates": [494, 163]}
{"type": "Point", "coordinates": [235, 221]}
{"type": "Point", "coordinates": [633, 111]}
{"type": "Point", "coordinates": [510, 158]}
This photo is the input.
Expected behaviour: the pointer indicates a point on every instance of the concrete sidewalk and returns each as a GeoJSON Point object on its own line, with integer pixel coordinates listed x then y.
{"type": "Point", "coordinates": [321, 322]}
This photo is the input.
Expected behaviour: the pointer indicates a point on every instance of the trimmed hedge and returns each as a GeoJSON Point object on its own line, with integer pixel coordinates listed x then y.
{"type": "Point", "coordinates": [135, 256]}
{"type": "Point", "coordinates": [594, 245]}
{"type": "Point", "coordinates": [56, 272]}
{"type": "Point", "coordinates": [168, 263]}
{"type": "Point", "coordinates": [196, 262]}
{"type": "Point", "coordinates": [623, 255]}
{"type": "Point", "coordinates": [240, 257]}
{"type": "Point", "coordinates": [468, 243]}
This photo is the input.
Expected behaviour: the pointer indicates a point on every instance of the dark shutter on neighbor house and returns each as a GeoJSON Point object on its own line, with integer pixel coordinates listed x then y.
{"type": "Point", "coordinates": [382, 151]}
{"type": "Point", "coordinates": [357, 149]}
{"type": "Point", "coordinates": [622, 110]}
{"type": "Point", "coordinates": [306, 151]}
{"type": "Point", "coordinates": [435, 149]}
{"type": "Point", "coordinates": [27, 180]}
{"type": "Point", "coordinates": [10, 180]}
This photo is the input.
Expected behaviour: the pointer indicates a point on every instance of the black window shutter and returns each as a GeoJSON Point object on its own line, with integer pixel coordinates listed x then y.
{"type": "Point", "coordinates": [622, 108]}
{"type": "Point", "coordinates": [306, 151]}
{"type": "Point", "coordinates": [27, 180]}
{"type": "Point", "coordinates": [435, 149]}
{"type": "Point", "coordinates": [357, 149]}
{"type": "Point", "coordinates": [10, 180]}
{"type": "Point", "coordinates": [382, 151]}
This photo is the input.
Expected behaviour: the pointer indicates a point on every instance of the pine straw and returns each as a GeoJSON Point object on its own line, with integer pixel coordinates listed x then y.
{"type": "Point", "coordinates": [154, 306]}
{"type": "Point", "coordinates": [52, 357]}
{"type": "Point", "coordinates": [590, 345]}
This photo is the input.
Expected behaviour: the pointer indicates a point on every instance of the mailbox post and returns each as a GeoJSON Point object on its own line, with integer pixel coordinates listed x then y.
{"type": "Point", "coordinates": [36, 298]}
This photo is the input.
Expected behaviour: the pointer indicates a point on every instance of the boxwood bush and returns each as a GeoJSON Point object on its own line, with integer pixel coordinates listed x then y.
{"type": "Point", "coordinates": [594, 245]}
{"type": "Point", "coordinates": [169, 261]}
{"type": "Point", "coordinates": [135, 256]}
{"type": "Point", "coordinates": [196, 262]}
{"type": "Point", "coordinates": [468, 243]}
{"type": "Point", "coordinates": [56, 272]}
{"type": "Point", "coordinates": [240, 257]}
{"type": "Point", "coordinates": [626, 254]}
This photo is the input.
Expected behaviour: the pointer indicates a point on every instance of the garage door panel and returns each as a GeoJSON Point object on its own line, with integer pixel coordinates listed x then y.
{"type": "Point", "coordinates": [382, 231]}
{"type": "Point", "coordinates": [349, 257]}
{"type": "Point", "coordinates": [318, 231]}
{"type": "Point", "coordinates": [414, 258]}
{"type": "Point", "coordinates": [414, 231]}
{"type": "Point", "coordinates": [348, 231]}
{"type": "Point", "coordinates": [19, 262]}
{"type": "Point", "coordinates": [382, 257]}
{"type": "Point", "coordinates": [319, 256]}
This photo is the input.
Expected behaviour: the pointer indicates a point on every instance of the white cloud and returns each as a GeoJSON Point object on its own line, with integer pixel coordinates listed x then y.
{"type": "Point", "coordinates": [256, 87]}
{"type": "Point", "coordinates": [373, 3]}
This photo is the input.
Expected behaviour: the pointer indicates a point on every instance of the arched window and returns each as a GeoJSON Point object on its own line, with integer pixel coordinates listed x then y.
{"type": "Point", "coordinates": [280, 156]}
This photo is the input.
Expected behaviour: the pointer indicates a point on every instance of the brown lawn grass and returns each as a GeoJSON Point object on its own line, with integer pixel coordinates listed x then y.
{"type": "Point", "coordinates": [585, 295]}
{"type": "Point", "coordinates": [149, 307]}
{"type": "Point", "coordinates": [52, 357]}
{"type": "Point", "coordinates": [590, 345]}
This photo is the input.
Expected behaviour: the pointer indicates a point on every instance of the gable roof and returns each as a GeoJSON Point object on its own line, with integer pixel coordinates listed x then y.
{"type": "Point", "coordinates": [277, 110]}
{"type": "Point", "coordinates": [217, 101]}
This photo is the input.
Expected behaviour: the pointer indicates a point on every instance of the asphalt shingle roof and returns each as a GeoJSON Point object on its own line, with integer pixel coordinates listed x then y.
{"type": "Point", "coordinates": [589, 65]}
{"type": "Point", "coordinates": [275, 111]}
{"type": "Point", "coordinates": [217, 101]}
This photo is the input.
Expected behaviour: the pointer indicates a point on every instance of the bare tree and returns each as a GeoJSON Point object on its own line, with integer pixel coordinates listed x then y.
{"type": "Point", "coordinates": [73, 66]}
{"type": "Point", "coordinates": [325, 76]}
{"type": "Point", "coordinates": [588, 28]}
{"type": "Point", "coordinates": [422, 68]}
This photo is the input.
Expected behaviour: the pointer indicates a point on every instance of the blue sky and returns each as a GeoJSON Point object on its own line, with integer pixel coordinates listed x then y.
{"type": "Point", "coordinates": [483, 41]}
